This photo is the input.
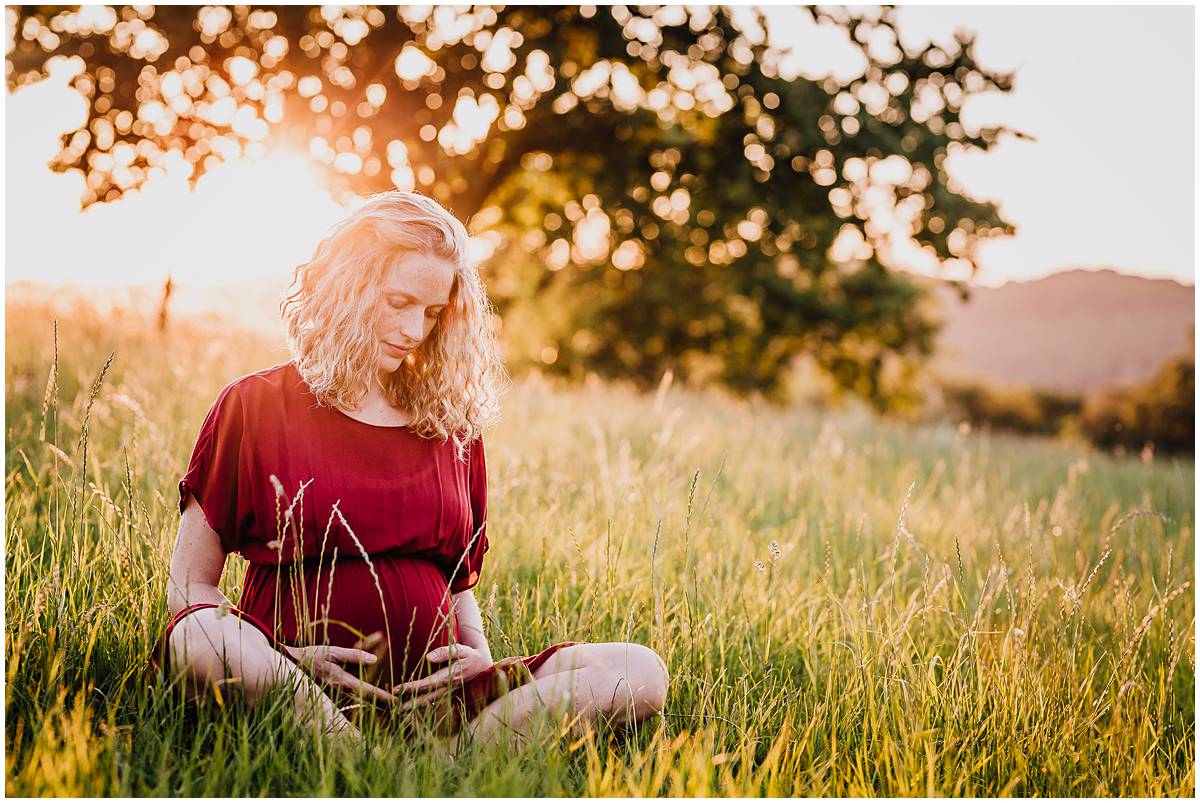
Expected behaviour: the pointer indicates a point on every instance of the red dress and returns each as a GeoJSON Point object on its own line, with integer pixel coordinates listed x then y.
{"type": "Point", "coordinates": [351, 529]}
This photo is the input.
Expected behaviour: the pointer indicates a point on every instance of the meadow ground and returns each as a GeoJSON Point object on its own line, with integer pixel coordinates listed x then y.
{"type": "Point", "coordinates": [847, 606]}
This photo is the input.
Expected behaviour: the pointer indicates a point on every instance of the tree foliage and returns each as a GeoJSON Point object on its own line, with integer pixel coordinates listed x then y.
{"type": "Point", "coordinates": [1160, 412]}
{"type": "Point", "coordinates": [651, 169]}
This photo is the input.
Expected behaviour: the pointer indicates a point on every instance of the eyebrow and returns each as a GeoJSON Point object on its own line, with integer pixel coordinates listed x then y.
{"type": "Point", "coordinates": [400, 293]}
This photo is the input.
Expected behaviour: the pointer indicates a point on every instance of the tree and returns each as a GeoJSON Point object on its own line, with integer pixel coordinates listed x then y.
{"type": "Point", "coordinates": [679, 194]}
{"type": "Point", "coordinates": [1160, 411]}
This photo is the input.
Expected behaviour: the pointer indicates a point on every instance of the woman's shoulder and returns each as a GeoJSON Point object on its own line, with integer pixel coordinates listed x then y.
{"type": "Point", "coordinates": [277, 376]}
{"type": "Point", "coordinates": [265, 385]}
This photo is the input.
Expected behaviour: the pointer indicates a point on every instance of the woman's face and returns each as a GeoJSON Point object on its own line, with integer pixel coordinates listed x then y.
{"type": "Point", "coordinates": [416, 288]}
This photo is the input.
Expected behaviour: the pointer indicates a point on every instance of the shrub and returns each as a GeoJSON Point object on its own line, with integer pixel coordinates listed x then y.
{"type": "Point", "coordinates": [1015, 408]}
{"type": "Point", "coordinates": [1160, 411]}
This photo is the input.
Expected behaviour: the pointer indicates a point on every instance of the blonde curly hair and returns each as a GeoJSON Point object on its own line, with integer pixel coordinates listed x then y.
{"type": "Point", "coordinates": [451, 383]}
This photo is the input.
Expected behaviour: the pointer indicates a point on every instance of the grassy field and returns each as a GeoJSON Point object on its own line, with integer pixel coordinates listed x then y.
{"type": "Point", "coordinates": [848, 607]}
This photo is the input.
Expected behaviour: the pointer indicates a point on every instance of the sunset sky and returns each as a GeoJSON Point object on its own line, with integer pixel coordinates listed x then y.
{"type": "Point", "coordinates": [1108, 92]}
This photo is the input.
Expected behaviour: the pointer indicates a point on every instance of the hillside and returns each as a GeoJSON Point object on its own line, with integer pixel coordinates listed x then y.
{"type": "Point", "coordinates": [1075, 331]}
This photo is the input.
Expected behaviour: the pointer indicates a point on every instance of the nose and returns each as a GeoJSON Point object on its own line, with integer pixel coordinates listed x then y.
{"type": "Point", "coordinates": [410, 330]}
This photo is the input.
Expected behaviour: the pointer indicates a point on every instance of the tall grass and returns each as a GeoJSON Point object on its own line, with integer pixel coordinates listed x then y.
{"type": "Point", "coordinates": [847, 606]}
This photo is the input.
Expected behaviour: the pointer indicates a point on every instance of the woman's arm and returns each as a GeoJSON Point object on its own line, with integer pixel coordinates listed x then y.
{"type": "Point", "coordinates": [196, 563]}
{"type": "Point", "coordinates": [470, 622]}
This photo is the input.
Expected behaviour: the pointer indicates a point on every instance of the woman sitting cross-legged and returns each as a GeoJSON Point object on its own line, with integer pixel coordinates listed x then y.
{"type": "Point", "coordinates": [353, 480]}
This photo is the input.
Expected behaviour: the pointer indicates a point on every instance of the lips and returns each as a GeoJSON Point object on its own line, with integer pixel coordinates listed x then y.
{"type": "Point", "coordinates": [396, 351]}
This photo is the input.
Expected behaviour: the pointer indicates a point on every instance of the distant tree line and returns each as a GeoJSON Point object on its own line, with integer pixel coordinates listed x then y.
{"type": "Point", "coordinates": [1158, 415]}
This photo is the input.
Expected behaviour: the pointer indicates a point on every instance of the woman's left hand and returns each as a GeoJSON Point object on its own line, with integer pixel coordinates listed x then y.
{"type": "Point", "coordinates": [465, 663]}
{"type": "Point", "coordinates": [324, 661]}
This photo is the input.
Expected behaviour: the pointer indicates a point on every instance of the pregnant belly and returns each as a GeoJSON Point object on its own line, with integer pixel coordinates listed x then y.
{"type": "Point", "coordinates": [400, 612]}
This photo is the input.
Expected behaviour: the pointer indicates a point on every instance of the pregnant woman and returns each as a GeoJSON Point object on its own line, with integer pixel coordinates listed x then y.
{"type": "Point", "coordinates": [353, 480]}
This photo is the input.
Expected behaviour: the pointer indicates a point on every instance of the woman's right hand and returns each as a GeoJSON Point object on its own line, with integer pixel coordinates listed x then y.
{"type": "Point", "coordinates": [323, 661]}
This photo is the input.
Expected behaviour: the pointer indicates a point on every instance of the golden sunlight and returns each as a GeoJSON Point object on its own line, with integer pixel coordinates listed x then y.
{"type": "Point", "coordinates": [249, 220]}
{"type": "Point", "coordinates": [252, 218]}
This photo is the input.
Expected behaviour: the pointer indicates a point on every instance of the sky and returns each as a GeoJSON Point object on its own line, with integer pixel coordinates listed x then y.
{"type": "Point", "coordinates": [1108, 93]}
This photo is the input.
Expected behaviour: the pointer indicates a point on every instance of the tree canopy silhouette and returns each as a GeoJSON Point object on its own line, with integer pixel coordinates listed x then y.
{"type": "Point", "coordinates": [650, 169]}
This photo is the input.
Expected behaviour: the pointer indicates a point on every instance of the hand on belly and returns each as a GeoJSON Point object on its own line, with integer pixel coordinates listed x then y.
{"type": "Point", "coordinates": [400, 612]}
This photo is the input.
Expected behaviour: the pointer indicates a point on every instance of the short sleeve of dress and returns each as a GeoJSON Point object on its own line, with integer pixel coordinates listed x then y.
{"type": "Point", "coordinates": [213, 473]}
{"type": "Point", "coordinates": [466, 575]}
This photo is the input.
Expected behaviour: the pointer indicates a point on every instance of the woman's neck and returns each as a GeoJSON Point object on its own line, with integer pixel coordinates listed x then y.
{"type": "Point", "coordinates": [374, 408]}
